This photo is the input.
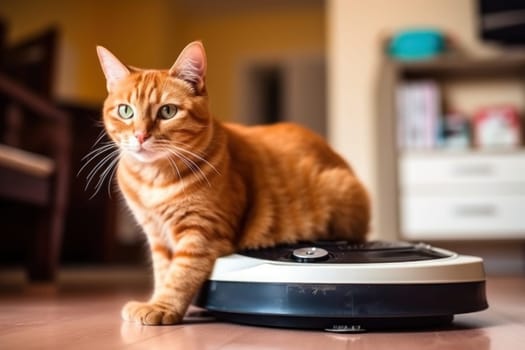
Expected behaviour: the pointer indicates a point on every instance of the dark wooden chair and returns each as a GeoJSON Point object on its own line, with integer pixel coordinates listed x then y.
{"type": "Point", "coordinates": [35, 141]}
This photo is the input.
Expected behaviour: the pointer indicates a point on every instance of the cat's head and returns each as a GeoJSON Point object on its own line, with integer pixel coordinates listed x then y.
{"type": "Point", "coordinates": [149, 113]}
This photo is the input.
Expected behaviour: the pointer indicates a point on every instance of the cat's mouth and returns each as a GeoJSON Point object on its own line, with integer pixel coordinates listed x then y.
{"type": "Point", "coordinates": [143, 154]}
{"type": "Point", "coordinates": [147, 156]}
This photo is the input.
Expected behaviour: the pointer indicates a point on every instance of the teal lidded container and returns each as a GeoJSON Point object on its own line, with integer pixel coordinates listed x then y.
{"type": "Point", "coordinates": [416, 44]}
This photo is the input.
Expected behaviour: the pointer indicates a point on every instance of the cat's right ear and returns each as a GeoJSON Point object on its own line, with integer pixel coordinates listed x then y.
{"type": "Point", "coordinates": [113, 69]}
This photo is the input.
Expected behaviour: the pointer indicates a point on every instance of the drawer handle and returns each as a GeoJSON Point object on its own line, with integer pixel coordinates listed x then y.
{"type": "Point", "coordinates": [476, 210]}
{"type": "Point", "coordinates": [474, 170]}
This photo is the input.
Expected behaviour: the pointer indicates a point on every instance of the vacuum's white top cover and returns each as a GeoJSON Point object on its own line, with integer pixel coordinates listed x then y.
{"type": "Point", "coordinates": [346, 263]}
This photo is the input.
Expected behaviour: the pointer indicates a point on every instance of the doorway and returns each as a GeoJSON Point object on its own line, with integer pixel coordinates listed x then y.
{"type": "Point", "coordinates": [291, 89]}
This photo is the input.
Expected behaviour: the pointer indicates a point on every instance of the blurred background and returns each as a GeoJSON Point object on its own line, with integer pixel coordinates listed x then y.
{"type": "Point", "coordinates": [424, 98]}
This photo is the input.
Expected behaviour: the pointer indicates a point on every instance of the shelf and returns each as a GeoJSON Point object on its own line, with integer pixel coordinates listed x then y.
{"type": "Point", "coordinates": [462, 66]}
{"type": "Point", "coordinates": [446, 152]}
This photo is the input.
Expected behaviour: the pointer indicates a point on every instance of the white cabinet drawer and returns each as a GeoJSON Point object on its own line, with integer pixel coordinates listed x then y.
{"type": "Point", "coordinates": [467, 217]}
{"type": "Point", "coordinates": [461, 168]}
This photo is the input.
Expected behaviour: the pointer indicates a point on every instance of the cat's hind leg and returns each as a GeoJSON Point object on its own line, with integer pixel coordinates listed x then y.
{"type": "Point", "coordinates": [350, 205]}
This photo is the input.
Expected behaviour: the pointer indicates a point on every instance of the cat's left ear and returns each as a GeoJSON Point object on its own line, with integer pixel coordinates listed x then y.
{"type": "Point", "coordinates": [191, 65]}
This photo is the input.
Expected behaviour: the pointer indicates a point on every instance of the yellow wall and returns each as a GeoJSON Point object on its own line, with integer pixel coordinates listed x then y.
{"type": "Point", "coordinates": [135, 33]}
{"type": "Point", "coordinates": [355, 29]}
{"type": "Point", "coordinates": [150, 34]}
{"type": "Point", "coordinates": [230, 37]}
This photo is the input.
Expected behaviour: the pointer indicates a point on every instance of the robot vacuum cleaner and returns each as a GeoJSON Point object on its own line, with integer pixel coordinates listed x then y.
{"type": "Point", "coordinates": [345, 287]}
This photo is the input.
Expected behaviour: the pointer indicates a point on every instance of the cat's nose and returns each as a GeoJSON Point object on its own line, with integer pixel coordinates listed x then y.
{"type": "Point", "coordinates": [142, 136]}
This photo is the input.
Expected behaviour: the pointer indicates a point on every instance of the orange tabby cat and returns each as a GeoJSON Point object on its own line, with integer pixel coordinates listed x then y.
{"type": "Point", "coordinates": [201, 189]}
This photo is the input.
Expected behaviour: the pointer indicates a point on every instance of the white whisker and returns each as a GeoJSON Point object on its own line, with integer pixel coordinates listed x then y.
{"type": "Point", "coordinates": [190, 164]}
{"type": "Point", "coordinates": [104, 157]}
{"type": "Point", "coordinates": [98, 150]}
{"type": "Point", "coordinates": [110, 158]}
{"type": "Point", "coordinates": [200, 157]}
{"type": "Point", "coordinates": [110, 180]}
{"type": "Point", "coordinates": [174, 166]}
{"type": "Point", "coordinates": [109, 169]}
{"type": "Point", "coordinates": [99, 138]}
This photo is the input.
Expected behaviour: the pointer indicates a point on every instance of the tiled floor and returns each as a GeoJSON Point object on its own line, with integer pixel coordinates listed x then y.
{"type": "Point", "coordinates": [86, 316]}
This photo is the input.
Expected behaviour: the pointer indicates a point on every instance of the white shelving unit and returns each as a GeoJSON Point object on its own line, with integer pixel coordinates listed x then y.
{"type": "Point", "coordinates": [450, 195]}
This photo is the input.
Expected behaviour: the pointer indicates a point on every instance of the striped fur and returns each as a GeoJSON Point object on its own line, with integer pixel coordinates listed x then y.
{"type": "Point", "coordinates": [201, 189]}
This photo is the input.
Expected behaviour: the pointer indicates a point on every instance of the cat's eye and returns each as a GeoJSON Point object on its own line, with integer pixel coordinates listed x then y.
{"type": "Point", "coordinates": [125, 111]}
{"type": "Point", "coordinates": [167, 111]}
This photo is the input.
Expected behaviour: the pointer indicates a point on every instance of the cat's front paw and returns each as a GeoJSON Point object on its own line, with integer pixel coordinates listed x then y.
{"type": "Point", "coordinates": [149, 314]}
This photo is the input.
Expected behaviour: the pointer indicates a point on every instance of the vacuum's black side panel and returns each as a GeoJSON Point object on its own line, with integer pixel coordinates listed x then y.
{"type": "Point", "coordinates": [284, 304]}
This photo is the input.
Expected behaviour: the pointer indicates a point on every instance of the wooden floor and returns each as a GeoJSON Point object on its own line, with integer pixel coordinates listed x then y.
{"type": "Point", "coordinates": [86, 316]}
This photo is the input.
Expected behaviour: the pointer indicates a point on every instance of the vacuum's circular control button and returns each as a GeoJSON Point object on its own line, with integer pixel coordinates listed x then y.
{"type": "Point", "coordinates": [310, 254]}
